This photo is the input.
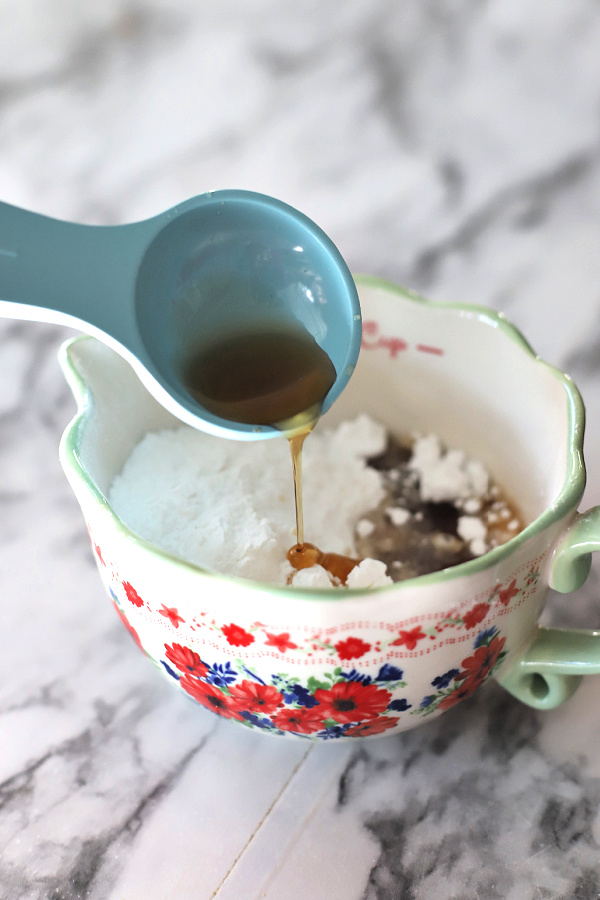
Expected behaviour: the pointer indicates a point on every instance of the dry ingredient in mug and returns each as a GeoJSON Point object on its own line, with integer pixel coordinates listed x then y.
{"type": "Point", "coordinates": [403, 508]}
{"type": "Point", "coordinates": [440, 508]}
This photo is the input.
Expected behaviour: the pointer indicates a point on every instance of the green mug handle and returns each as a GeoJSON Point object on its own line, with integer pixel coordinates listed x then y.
{"type": "Point", "coordinates": [550, 669]}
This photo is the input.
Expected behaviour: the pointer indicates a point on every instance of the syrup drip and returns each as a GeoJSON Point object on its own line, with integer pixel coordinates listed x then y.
{"type": "Point", "coordinates": [305, 555]}
{"type": "Point", "coordinates": [280, 378]}
{"type": "Point", "coordinates": [296, 444]}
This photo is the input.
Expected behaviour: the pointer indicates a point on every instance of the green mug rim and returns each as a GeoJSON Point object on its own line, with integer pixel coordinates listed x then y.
{"type": "Point", "coordinates": [567, 500]}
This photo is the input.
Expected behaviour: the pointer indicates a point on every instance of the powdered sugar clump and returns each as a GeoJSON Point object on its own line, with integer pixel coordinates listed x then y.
{"type": "Point", "coordinates": [364, 527]}
{"type": "Point", "coordinates": [451, 476]}
{"type": "Point", "coordinates": [313, 577]}
{"type": "Point", "coordinates": [369, 573]}
{"type": "Point", "coordinates": [447, 476]}
{"type": "Point", "coordinates": [397, 515]}
{"type": "Point", "coordinates": [472, 530]}
{"type": "Point", "coordinates": [229, 505]}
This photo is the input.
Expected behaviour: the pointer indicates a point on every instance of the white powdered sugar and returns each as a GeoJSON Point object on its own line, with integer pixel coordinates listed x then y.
{"type": "Point", "coordinates": [472, 530]}
{"type": "Point", "coordinates": [313, 577]}
{"type": "Point", "coordinates": [364, 527]}
{"type": "Point", "coordinates": [447, 475]}
{"type": "Point", "coordinates": [369, 573]}
{"type": "Point", "coordinates": [229, 505]}
{"type": "Point", "coordinates": [397, 515]}
{"type": "Point", "coordinates": [451, 476]}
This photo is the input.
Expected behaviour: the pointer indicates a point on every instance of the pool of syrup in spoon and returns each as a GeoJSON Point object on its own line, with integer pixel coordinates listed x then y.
{"type": "Point", "coordinates": [266, 377]}
{"type": "Point", "coordinates": [277, 377]}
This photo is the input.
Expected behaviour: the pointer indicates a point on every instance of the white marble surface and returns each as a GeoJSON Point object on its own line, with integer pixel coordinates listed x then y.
{"type": "Point", "coordinates": [449, 145]}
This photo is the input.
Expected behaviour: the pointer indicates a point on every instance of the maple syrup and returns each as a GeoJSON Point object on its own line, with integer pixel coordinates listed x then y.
{"type": "Point", "coordinates": [305, 555]}
{"type": "Point", "coordinates": [280, 378]}
{"type": "Point", "coordinates": [271, 377]}
{"type": "Point", "coordinates": [277, 377]}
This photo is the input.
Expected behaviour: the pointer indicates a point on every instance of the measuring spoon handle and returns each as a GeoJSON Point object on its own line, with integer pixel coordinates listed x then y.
{"type": "Point", "coordinates": [81, 275]}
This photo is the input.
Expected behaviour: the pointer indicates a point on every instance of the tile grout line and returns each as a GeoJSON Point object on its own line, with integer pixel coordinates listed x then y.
{"type": "Point", "coordinates": [262, 821]}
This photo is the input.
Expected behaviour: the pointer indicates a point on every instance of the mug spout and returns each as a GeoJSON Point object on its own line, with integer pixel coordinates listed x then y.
{"type": "Point", "coordinates": [114, 412]}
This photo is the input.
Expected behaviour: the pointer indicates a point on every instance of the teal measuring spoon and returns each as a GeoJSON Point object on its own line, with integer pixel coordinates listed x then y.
{"type": "Point", "coordinates": [223, 261]}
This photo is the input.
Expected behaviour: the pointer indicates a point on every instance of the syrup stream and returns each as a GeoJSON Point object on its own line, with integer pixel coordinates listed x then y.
{"type": "Point", "coordinates": [296, 444]}
{"type": "Point", "coordinates": [280, 378]}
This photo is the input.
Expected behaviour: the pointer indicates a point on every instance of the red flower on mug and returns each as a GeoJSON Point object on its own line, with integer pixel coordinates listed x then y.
{"type": "Point", "coordinates": [237, 636]}
{"type": "Point", "coordinates": [349, 701]}
{"type": "Point", "coordinates": [409, 639]}
{"type": "Point", "coordinates": [98, 553]}
{"type": "Point", "coordinates": [252, 697]}
{"type": "Point", "coordinates": [132, 594]}
{"type": "Point", "coordinates": [211, 697]}
{"type": "Point", "coordinates": [506, 595]}
{"type": "Point", "coordinates": [281, 641]}
{"type": "Point", "coordinates": [186, 660]}
{"type": "Point", "coordinates": [476, 615]}
{"type": "Point", "coordinates": [129, 627]}
{"type": "Point", "coordinates": [465, 690]}
{"type": "Point", "coordinates": [476, 668]}
{"type": "Point", "coordinates": [375, 726]}
{"type": "Point", "coordinates": [301, 720]}
{"type": "Point", "coordinates": [352, 648]}
{"type": "Point", "coordinates": [170, 613]}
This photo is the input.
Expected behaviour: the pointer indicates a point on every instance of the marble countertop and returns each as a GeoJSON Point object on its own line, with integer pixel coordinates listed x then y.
{"type": "Point", "coordinates": [450, 146]}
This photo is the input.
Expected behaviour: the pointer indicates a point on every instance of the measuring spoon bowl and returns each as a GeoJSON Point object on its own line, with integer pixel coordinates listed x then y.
{"type": "Point", "coordinates": [222, 263]}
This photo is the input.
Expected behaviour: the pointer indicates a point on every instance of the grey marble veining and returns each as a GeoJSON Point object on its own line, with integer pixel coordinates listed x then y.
{"type": "Point", "coordinates": [484, 813]}
{"type": "Point", "coordinates": [452, 146]}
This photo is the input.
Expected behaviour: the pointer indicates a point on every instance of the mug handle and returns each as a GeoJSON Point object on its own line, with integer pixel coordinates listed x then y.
{"type": "Point", "coordinates": [550, 669]}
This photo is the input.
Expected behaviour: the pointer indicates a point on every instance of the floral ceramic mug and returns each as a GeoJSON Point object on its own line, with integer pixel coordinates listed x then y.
{"type": "Point", "coordinates": [350, 663]}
